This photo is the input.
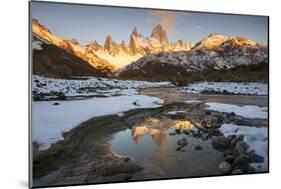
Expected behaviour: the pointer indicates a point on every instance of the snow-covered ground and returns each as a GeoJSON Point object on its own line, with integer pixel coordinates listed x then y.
{"type": "Point", "coordinates": [175, 112]}
{"type": "Point", "coordinates": [228, 88]}
{"type": "Point", "coordinates": [49, 121]}
{"type": "Point", "coordinates": [256, 138]}
{"type": "Point", "coordinates": [247, 111]}
{"type": "Point", "coordinates": [192, 101]}
{"type": "Point", "coordinates": [114, 97]}
{"type": "Point", "coordinates": [91, 86]}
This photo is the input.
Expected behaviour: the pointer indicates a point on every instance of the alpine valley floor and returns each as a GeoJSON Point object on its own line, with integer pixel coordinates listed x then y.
{"type": "Point", "coordinates": [156, 132]}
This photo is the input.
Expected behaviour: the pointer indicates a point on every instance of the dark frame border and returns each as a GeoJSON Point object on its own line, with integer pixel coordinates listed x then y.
{"type": "Point", "coordinates": [30, 66]}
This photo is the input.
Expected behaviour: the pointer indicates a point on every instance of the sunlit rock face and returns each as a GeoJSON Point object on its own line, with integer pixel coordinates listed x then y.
{"type": "Point", "coordinates": [63, 64]}
{"type": "Point", "coordinates": [212, 42]}
{"type": "Point", "coordinates": [156, 57]}
{"type": "Point", "coordinates": [157, 42]}
{"type": "Point", "coordinates": [218, 42]}
{"type": "Point", "coordinates": [84, 52]}
{"type": "Point", "coordinates": [160, 34]}
{"type": "Point", "coordinates": [112, 55]}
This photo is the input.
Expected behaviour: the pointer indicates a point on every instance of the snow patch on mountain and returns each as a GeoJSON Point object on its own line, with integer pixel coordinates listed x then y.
{"type": "Point", "coordinates": [119, 60]}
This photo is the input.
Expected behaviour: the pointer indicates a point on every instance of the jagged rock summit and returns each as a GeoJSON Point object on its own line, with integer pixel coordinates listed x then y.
{"type": "Point", "coordinates": [112, 55]}
{"type": "Point", "coordinates": [152, 56]}
{"type": "Point", "coordinates": [160, 34]}
{"type": "Point", "coordinates": [215, 52]}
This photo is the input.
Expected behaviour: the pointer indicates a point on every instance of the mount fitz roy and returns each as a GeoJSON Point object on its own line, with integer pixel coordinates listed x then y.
{"type": "Point", "coordinates": [142, 57]}
{"type": "Point", "coordinates": [112, 56]}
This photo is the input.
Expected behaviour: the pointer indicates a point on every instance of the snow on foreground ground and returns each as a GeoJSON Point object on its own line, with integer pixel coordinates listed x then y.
{"type": "Point", "coordinates": [256, 138]}
{"type": "Point", "coordinates": [247, 111]}
{"type": "Point", "coordinates": [49, 121]}
{"type": "Point", "coordinates": [228, 88]}
{"type": "Point", "coordinates": [90, 86]}
{"type": "Point", "coordinates": [115, 96]}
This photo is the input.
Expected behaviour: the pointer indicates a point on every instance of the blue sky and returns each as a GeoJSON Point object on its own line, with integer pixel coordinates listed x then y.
{"type": "Point", "coordinates": [87, 23]}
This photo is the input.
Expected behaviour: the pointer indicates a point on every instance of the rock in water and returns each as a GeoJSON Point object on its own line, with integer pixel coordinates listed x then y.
{"type": "Point", "coordinates": [172, 134]}
{"type": "Point", "coordinates": [198, 147]}
{"type": "Point", "coordinates": [232, 114]}
{"type": "Point", "coordinates": [126, 159]}
{"type": "Point", "coordinates": [240, 148]}
{"type": "Point", "coordinates": [225, 167]}
{"type": "Point", "coordinates": [220, 142]}
{"type": "Point", "coordinates": [182, 142]}
{"type": "Point", "coordinates": [241, 161]}
{"type": "Point", "coordinates": [186, 131]}
{"type": "Point", "coordinates": [229, 158]}
{"type": "Point", "coordinates": [136, 103]}
{"type": "Point", "coordinates": [205, 136]}
{"type": "Point", "coordinates": [178, 131]}
{"type": "Point", "coordinates": [233, 142]}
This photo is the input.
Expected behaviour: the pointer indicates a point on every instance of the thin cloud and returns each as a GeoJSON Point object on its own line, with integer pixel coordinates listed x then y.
{"type": "Point", "coordinates": [165, 18]}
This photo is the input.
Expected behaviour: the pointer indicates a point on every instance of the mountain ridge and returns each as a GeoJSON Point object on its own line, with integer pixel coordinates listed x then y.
{"type": "Point", "coordinates": [229, 55]}
{"type": "Point", "coordinates": [144, 55]}
{"type": "Point", "coordinates": [52, 61]}
{"type": "Point", "coordinates": [112, 56]}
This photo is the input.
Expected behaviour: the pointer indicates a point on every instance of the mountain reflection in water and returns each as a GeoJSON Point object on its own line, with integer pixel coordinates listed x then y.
{"type": "Point", "coordinates": [158, 129]}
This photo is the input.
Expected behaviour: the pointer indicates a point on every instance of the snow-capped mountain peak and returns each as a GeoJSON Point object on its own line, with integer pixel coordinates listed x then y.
{"type": "Point", "coordinates": [217, 42]}
{"type": "Point", "coordinates": [114, 56]}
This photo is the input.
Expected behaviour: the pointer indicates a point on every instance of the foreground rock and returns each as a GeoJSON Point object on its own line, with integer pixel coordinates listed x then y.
{"type": "Point", "coordinates": [181, 144]}
{"type": "Point", "coordinates": [225, 167]}
{"type": "Point", "coordinates": [220, 142]}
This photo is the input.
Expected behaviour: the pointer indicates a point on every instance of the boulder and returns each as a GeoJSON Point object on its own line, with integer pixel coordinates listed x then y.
{"type": "Point", "coordinates": [233, 142]}
{"type": "Point", "coordinates": [241, 137]}
{"type": "Point", "coordinates": [208, 112]}
{"type": "Point", "coordinates": [229, 158]}
{"type": "Point", "coordinates": [172, 134]}
{"type": "Point", "coordinates": [126, 159]}
{"type": "Point", "coordinates": [240, 148]}
{"type": "Point", "coordinates": [220, 117]}
{"type": "Point", "coordinates": [241, 161]}
{"type": "Point", "coordinates": [178, 131]}
{"type": "Point", "coordinates": [198, 147]}
{"type": "Point", "coordinates": [182, 142]}
{"type": "Point", "coordinates": [242, 121]}
{"type": "Point", "coordinates": [225, 167]}
{"type": "Point", "coordinates": [220, 142]}
{"type": "Point", "coordinates": [205, 136]}
{"type": "Point", "coordinates": [186, 131]}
